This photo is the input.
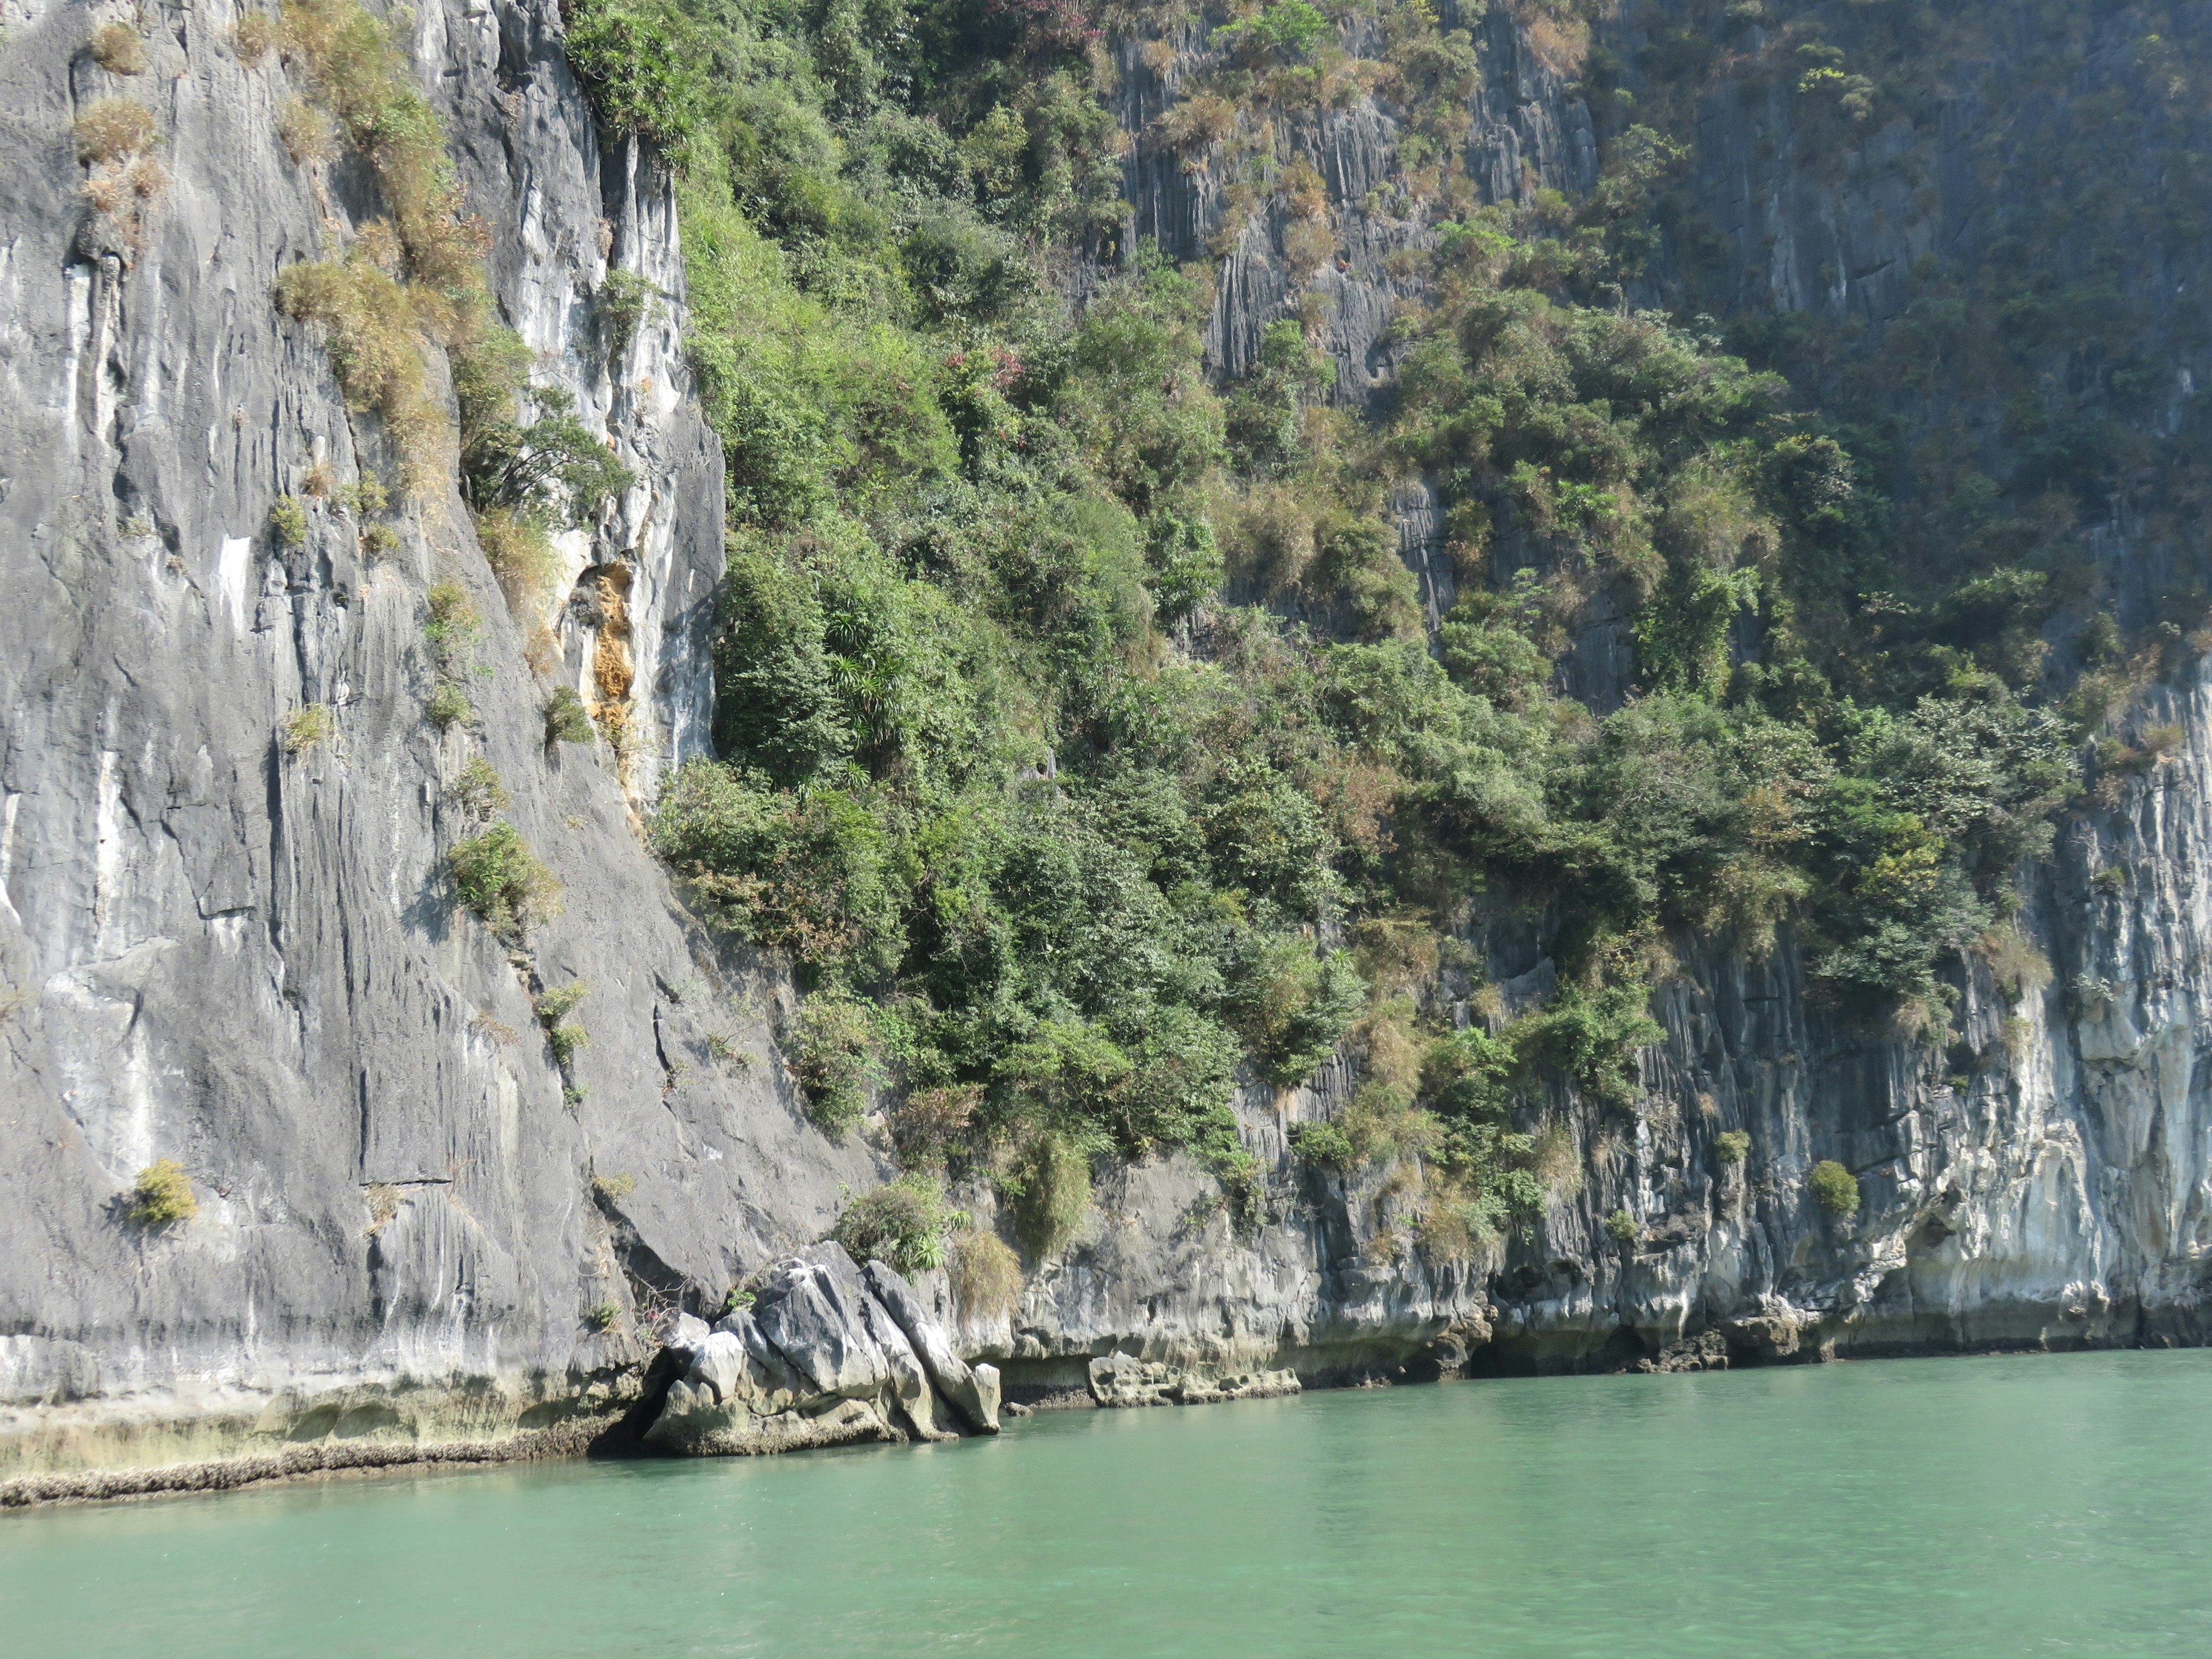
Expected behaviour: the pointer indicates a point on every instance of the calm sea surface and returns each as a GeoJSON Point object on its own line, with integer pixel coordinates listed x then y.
{"type": "Point", "coordinates": [1915, 1509]}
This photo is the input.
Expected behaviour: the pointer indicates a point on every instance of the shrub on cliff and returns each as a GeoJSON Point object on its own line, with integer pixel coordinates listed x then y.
{"type": "Point", "coordinates": [905, 1223]}
{"type": "Point", "coordinates": [987, 1275]}
{"type": "Point", "coordinates": [163, 1194]}
{"type": "Point", "coordinates": [498, 877]}
{"type": "Point", "coordinates": [1834, 1188]}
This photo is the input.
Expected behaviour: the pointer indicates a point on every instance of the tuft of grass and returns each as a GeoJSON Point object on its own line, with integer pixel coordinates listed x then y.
{"type": "Point", "coordinates": [1836, 1188]}
{"type": "Point", "coordinates": [478, 790]}
{"type": "Point", "coordinates": [987, 1275]}
{"type": "Point", "coordinates": [309, 728]}
{"type": "Point", "coordinates": [112, 129]}
{"type": "Point", "coordinates": [498, 877]}
{"type": "Point", "coordinates": [162, 1195]}
{"type": "Point", "coordinates": [448, 707]}
{"type": "Point", "coordinates": [309, 136]}
{"type": "Point", "coordinates": [367, 319]}
{"type": "Point", "coordinates": [613, 1189]}
{"type": "Point", "coordinates": [1049, 1192]}
{"type": "Point", "coordinates": [1621, 1227]}
{"type": "Point", "coordinates": [288, 518]}
{"type": "Point", "coordinates": [253, 36]}
{"type": "Point", "coordinates": [384, 1201]}
{"type": "Point", "coordinates": [603, 1316]}
{"type": "Point", "coordinates": [558, 1002]}
{"type": "Point", "coordinates": [567, 720]}
{"type": "Point", "coordinates": [453, 625]}
{"type": "Point", "coordinates": [1732, 1146]}
{"type": "Point", "coordinates": [565, 1042]}
{"type": "Point", "coordinates": [519, 551]}
{"type": "Point", "coordinates": [117, 48]}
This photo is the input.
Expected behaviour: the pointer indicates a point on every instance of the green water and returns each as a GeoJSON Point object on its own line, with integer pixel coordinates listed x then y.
{"type": "Point", "coordinates": [1937, 1507]}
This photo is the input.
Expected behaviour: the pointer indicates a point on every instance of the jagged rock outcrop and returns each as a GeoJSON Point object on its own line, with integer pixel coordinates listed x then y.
{"type": "Point", "coordinates": [827, 1354]}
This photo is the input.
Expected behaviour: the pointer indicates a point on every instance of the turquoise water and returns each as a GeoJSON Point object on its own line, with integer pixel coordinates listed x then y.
{"type": "Point", "coordinates": [1935, 1508]}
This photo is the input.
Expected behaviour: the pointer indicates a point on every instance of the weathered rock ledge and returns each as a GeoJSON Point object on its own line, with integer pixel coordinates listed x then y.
{"type": "Point", "coordinates": [828, 1354]}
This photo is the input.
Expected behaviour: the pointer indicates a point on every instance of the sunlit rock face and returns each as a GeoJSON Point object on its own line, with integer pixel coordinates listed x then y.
{"type": "Point", "coordinates": [417, 1226]}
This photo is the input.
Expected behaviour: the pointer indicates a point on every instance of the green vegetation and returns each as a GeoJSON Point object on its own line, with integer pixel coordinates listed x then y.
{"type": "Point", "coordinates": [1835, 1188]}
{"type": "Point", "coordinates": [626, 300]}
{"type": "Point", "coordinates": [613, 1189]}
{"type": "Point", "coordinates": [453, 632]}
{"type": "Point", "coordinates": [1732, 1146]}
{"type": "Point", "coordinates": [163, 1194]}
{"type": "Point", "coordinates": [604, 1316]}
{"type": "Point", "coordinates": [1621, 1227]}
{"type": "Point", "coordinates": [288, 518]}
{"type": "Point", "coordinates": [478, 790]}
{"type": "Point", "coordinates": [905, 1223]}
{"type": "Point", "coordinates": [498, 877]}
{"type": "Point", "coordinates": [566, 720]}
{"type": "Point", "coordinates": [1083, 739]}
{"type": "Point", "coordinates": [555, 1003]}
{"type": "Point", "coordinates": [308, 727]}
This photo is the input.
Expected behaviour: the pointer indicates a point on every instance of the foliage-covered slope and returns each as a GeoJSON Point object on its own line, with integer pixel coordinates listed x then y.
{"type": "Point", "coordinates": [1083, 737]}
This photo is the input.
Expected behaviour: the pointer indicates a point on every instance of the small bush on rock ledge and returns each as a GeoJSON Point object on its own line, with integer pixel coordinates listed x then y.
{"type": "Point", "coordinates": [907, 1223]}
{"type": "Point", "coordinates": [163, 1194]}
{"type": "Point", "coordinates": [1621, 1227]}
{"type": "Point", "coordinates": [566, 720]}
{"type": "Point", "coordinates": [1732, 1146]}
{"type": "Point", "coordinates": [1836, 1188]}
{"type": "Point", "coordinates": [497, 876]}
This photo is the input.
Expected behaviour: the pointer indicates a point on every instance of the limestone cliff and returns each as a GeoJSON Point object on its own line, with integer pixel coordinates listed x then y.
{"type": "Point", "coordinates": [420, 1224]}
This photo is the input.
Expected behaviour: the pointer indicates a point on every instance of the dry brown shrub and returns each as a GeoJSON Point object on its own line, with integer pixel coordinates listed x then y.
{"type": "Point", "coordinates": [308, 135]}
{"type": "Point", "coordinates": [1393, 1058]}
{"type": "Point", "coordinates": [2161, 741]}
{"type": "Point", "coordinates": [1553, 1162]}
{"type": "Point", "coordinates": [113, 128]}
{"type": "Point", "coordinates": [369, 321]}
{"type": "Point", "coordinates": [1307, 246]}
{"type": "Point", "coordinates": [520, 554]}
{"type": "Point", "coordinates": [1395, 953]}
{"type": "Point", "coordinates": [254, 37]}
{"type": "Point", "coordinates": [2016, 966]}
{"type": "Point", "coordinates": [1304, 191]}
{"type": "Point", "coordinates": [1269, 537]}
{"type": "Point", "coordinates": [987, 1276]}
{"type": "Point", "coordinates": [1197, 123]}
{"type": "Point", "coordinates": [928, 1121]}
{"type": "Point", "coordinates": [117, 48]}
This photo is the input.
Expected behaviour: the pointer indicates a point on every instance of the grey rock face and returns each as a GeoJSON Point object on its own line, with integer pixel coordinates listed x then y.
{"type": "Point", "coordinates": [826, 1354]}
{"type": "Point", "coordinates": [250, 961]}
